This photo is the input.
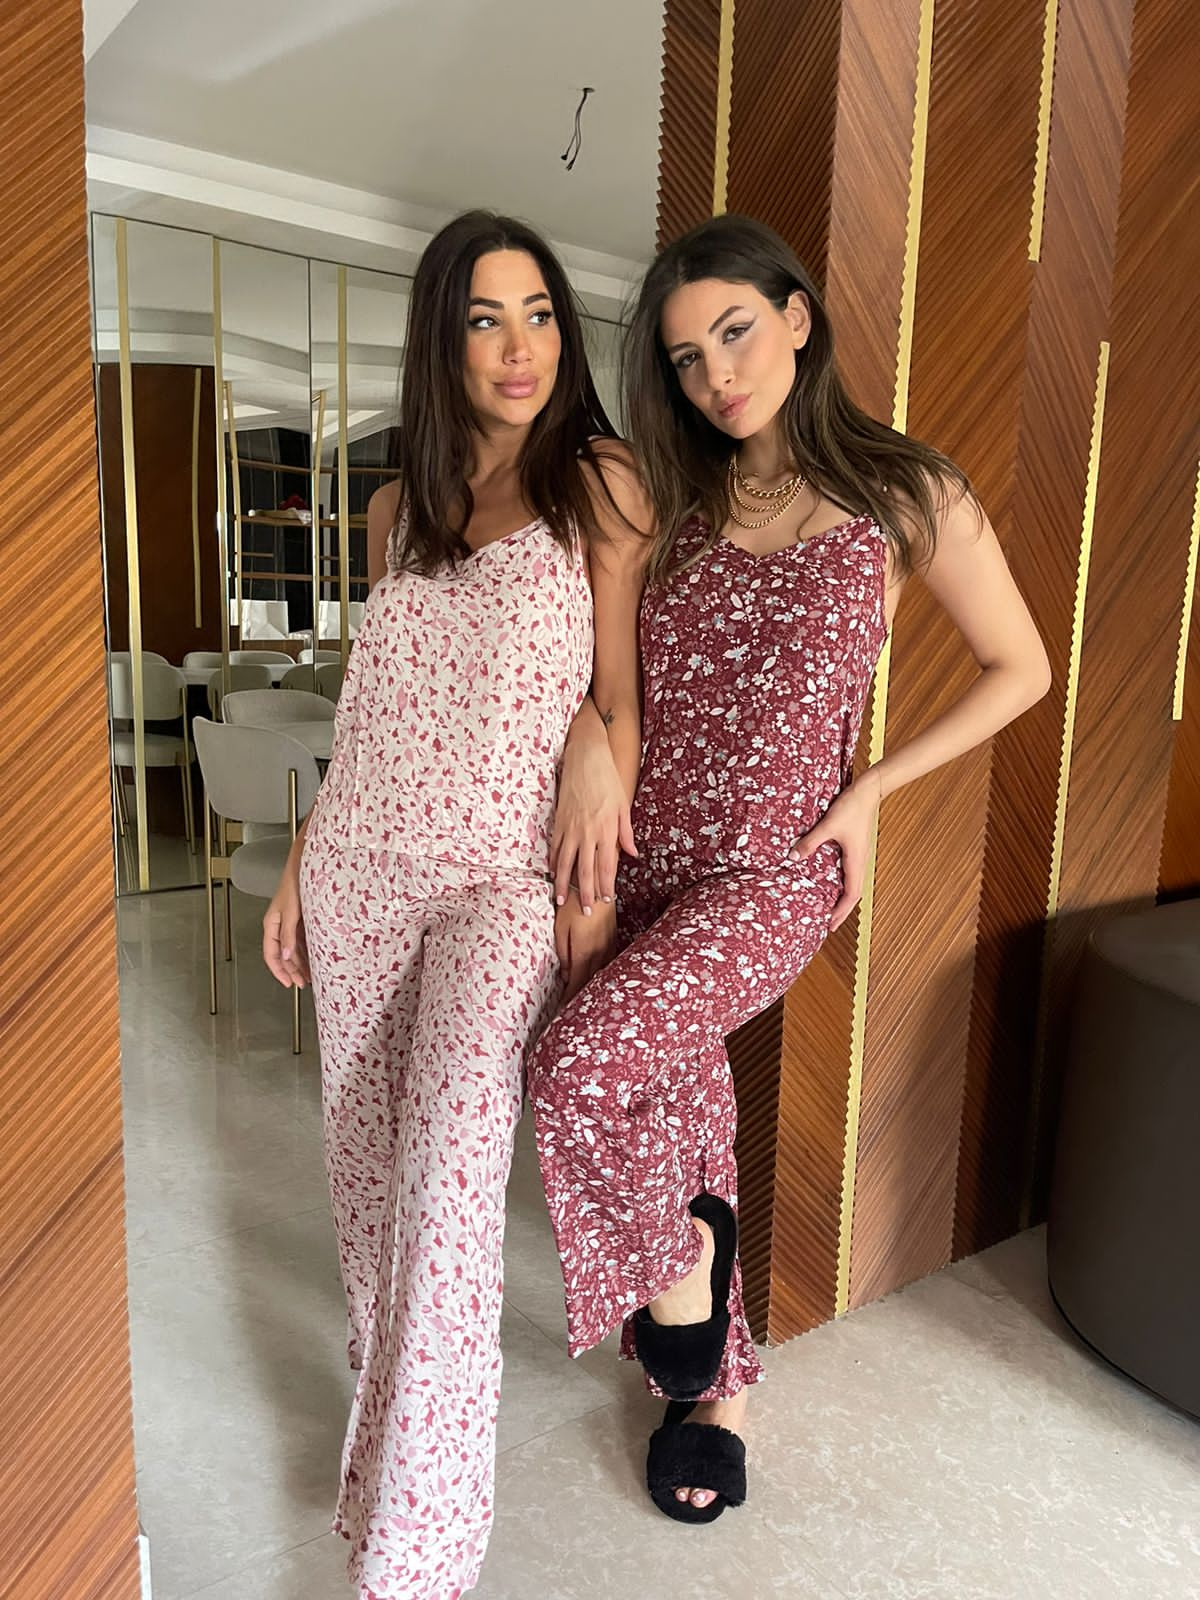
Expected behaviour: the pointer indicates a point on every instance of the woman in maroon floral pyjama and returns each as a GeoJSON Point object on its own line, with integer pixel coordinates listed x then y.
{"type": "Point", "coordinates": [788, 524]}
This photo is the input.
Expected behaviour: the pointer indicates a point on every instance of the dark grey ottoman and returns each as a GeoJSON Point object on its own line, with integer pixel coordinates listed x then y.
{"type": "Point", "coordinates": [1124, 1229]}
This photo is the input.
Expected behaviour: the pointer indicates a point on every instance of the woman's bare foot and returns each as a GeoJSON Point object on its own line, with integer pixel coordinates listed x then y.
{"type": "Point", "coordinates": [729, 1414]}
{"type": "Point", "coordinates": [689, 1300]}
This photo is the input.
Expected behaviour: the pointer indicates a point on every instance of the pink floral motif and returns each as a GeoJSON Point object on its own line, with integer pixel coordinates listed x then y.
{"type": "Point", "coordinates": [430, 927]}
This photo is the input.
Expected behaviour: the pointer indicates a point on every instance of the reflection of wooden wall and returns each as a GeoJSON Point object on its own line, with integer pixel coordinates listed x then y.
{"type": "Point", "coordinates": [162, 437]}
{"type": "Point", "coordinates": [958, 1063]}
{"type": "Point", "coordinates": [68, 1521]}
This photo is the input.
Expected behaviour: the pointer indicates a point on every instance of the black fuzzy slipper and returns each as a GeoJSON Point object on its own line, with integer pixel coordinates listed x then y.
{"type": "Point", "coordinates": [700, 1456]}
{"type": "Point", "coordinates": [684, 1359]}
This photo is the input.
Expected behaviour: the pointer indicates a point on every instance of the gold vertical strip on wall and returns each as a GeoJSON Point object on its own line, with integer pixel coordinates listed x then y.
{"type": "Point", "coordinates": [131, 555]}
{"type": "Point", "coordinates": [343, 590]}
{"type": "Point", "coordinates": [724, 104]}
{"type": "Point", "coordinates": [317, 454]}
{"type": "Point", "coordinates": [866, 913]}
{"type": "Point", "coordinates": [1041, 165]}
{"type": "Point", "coordinates": [1064, 779]}
{"type": "Point", "coordinates": [235, 478]}
{"type": "Point", "coordinates": [222, 500]}
{"type": "Point", "coordinates": [916, 201]}
{"type": "Point", "coordinates": [1189, 594]}
{"type": "Point", "coordinates": [197, 595]}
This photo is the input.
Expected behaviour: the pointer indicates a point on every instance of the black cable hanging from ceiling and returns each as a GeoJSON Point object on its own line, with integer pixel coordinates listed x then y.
{"type": "Point", "coordinates": [571, 154]}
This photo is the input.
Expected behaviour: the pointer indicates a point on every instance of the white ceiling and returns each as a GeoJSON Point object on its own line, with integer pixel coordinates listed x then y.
{"type": "Point", "coordinates": [295, 123]}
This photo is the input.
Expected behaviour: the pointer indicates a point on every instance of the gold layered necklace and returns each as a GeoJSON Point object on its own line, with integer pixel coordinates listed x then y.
{"type": "Point", "coordinates": [763, 505]}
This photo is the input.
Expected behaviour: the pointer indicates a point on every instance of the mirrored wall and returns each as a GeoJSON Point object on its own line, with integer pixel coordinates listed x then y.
{"type": "Point", "coordinates": [246, 404]}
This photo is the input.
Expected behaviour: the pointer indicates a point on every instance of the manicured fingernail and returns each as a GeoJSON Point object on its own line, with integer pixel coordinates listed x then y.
{"type": "Point", "coordinates": [287, 955]}
{"type": "Point", "coordinates": [560, 899]}
{"type": "Point", "coordinates": [587, 911]}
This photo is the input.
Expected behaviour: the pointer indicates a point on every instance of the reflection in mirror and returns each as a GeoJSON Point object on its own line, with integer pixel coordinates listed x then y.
{"type": "Point", "coordinates": [268, 452]}
{"type": "Point", "coordinates": [162, 578]}
{"type": "Point", "coordinates": [357, 351]}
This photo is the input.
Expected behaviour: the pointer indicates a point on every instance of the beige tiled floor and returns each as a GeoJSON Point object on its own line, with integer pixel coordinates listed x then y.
{"type": "Point", "coordinates": [951, 1443]}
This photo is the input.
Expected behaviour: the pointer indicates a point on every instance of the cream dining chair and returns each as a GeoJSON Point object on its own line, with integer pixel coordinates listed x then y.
{"type": "Point", "coordinates": [260, 778]}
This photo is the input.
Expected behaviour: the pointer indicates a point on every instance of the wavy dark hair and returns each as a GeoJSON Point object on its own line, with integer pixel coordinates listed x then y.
{"type": "Point", "coordinates": [433, 447]}
{"type": "Point", "coordinates": [857, 462]}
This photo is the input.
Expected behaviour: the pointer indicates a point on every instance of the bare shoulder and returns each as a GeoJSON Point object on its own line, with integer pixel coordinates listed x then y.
{"type": "Point", "coordinates": [385, 502]}
{"type": "Point", "coordinates": [958, 518]}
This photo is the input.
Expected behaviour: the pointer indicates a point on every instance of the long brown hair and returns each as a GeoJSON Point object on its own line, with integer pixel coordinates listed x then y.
{"type": "Point", "coordinates": [857, 462]}
{"type": "Point", "coordinates": [433, 445]}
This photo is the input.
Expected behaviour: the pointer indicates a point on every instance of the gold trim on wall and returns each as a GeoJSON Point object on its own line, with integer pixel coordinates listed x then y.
{"type": "Point", "coordinates": [197, 595]}
{"type": "Point", "coordinates": [222, 499]}
{"type": "Point", "coordinates": [1189, 595]}
{"type": "Point", "coordinates": [866, 913]}
{"type": "Point", "coordinates": [235, 478]}
{"type": "Point", "coordinates": [1041, 165]}
{"type": "Point", "coordinates": [1033, 1132]}
{"type": "Point", "coordinates": [724, 105]}
{"type": "Point", "coordinates": [131, 557]}
{"type": "Point", "coordinates": [343, 516]}
{"type": "Point", "coordinates": [318, 451]}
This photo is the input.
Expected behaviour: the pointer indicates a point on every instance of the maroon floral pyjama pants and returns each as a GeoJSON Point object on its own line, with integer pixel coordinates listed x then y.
{"type": "Point", "coordinates": [631, 1086]}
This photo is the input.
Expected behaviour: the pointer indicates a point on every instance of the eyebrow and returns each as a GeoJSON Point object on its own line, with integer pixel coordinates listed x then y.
{"type": "Point", "coordinates": [713, 329]}
{"type": "Point", "coordinates": [498, 305]}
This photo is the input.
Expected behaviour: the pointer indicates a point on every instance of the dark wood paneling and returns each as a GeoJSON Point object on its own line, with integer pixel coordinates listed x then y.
{"type": "Point", "coordinates": [1041, 532]}
{"type": "Point", "coordinates": [688, 121]}
{"type": "Point", "coordinates": [68, 1521]}
{"type": "Point", "coordinates": [1124, 734]}
{"type": "Point", "coordinates": [162, 441]}
{"type": "Point", "coordinates": [1003, 376]}
{"type": "Point", "coordinates": [964, 395]}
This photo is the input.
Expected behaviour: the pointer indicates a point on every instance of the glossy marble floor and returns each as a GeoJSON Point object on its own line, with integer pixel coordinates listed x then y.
{"type": "Point", "coordinates": [951, 1443]}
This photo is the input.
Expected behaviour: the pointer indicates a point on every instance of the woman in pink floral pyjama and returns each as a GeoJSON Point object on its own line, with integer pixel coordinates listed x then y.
{"type": "Point", "coordinates": [423, 874]}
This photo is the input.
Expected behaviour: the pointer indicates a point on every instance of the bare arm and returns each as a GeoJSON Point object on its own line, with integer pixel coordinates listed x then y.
{"type": "Point", "coordinates": [600, 765]}
{"type": "Point", "coordinates": [969, 577]}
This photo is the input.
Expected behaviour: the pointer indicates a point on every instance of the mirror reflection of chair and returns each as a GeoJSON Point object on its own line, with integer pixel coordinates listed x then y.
{"type": "Point", "coordinates": [260, 778]}
{"type": "Point", "coordinates": [241, 676]}
{"type": "Point", "coordinates": [321, 657]}
{"type": "Point", "coordinates": [329, 680]}
{"type": "Point", "coordinates": [302, 677]}
{"type": "Point", "coordinates": [147, 655]}
{"type": "Point", "coordinates": [164, 699]}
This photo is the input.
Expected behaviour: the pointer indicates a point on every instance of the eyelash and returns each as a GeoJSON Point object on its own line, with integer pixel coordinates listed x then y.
{"type": "Point", "coordinates": [478, 322]}
{"type": "Point", "coordinates": [734, 331]}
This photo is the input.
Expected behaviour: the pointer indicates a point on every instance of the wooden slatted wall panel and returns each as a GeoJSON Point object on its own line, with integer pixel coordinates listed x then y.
{"type": "Point", "coordinates": [1068, 318]}
{"type": "Point", "coordinates": [68, 1522]}
{"type": "Point", "coordinates": [842, 174]}
{"type": "Point", "coordinates": [1124, 733]}
{"type": "Point", "coordinates": [688, 120]}
{"type": "Point", "coordinates": [972, 303]}
{"type": "Point", "coordinates": [1003, 377]}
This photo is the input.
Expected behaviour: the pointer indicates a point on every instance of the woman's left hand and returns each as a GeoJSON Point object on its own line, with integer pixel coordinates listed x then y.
{"type": "Point", "coordinates": [848, 823]}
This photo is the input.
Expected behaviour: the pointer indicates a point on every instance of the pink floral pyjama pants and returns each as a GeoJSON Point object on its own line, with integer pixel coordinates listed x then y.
{"type": "Point", "coordinates": [430, 979]}
{"type": "Point", "coordinates": [631, 1087]}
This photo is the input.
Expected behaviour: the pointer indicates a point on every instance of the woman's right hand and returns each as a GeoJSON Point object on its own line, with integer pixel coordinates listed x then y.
{"type": "Point", "coordinates": [284, 949]}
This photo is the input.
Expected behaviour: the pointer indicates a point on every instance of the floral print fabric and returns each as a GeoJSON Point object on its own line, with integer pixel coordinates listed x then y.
{"type": "Point", "coordinates": [429, 980]}
{"type": "Point", "coordinates": [756, 673]}
{"type": "Point", "coordinates": [457, 700]}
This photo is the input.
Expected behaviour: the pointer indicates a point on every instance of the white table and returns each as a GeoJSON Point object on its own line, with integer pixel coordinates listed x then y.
{"type": "Point", "coordinates": [199, 676]}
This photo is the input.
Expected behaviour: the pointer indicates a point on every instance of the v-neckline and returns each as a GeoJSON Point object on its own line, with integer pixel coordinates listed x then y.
{"type": "Point", "coordinates": [797, 544]}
